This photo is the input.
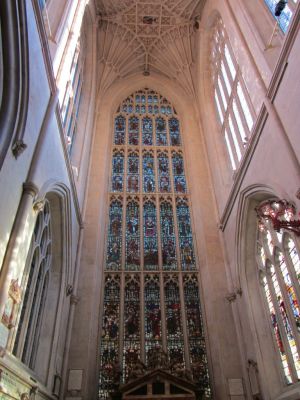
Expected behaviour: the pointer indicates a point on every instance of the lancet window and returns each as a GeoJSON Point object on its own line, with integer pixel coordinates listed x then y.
{"type": "Point", "coordinates": [233, 105]}
{"type": "Point", "coordinates": [279, 268]}
{"type": "Point", "coordinates": [151, 292]}
{"type": "Point", "coordinates": [35, 282]}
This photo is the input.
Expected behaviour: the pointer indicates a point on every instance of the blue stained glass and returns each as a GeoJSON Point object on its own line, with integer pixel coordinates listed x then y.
{"type": "Point", "coordinates": [120, 130]}
{"type": "Point", "coordinates": [147, 131]}
{"type": "Point", "coordinates": [185, 236]}
{"type": "Point", "coordinates": [114, 236]}
{"type": "Point", "coordinates": [133, 173]}
{"type": "Point", "coordinates": [150, 237]}
{"type": "Point", "coordinates": [285, 17]}
{"type": "Point", "coordinates": [133, 131]}
{"type": "Point", "coordinates": [131, 326]}
{"type": "Point", "coordinates": [156, 110]}
{"type": "Point", "coordinates": [168, 240]}
{"type": "Point", "coordinates": [173, 323]}
{"type": "Point", "coordinates": [163, 173]}
{"type": "Point", "coordinates": [152, 314]}
{"type": "Point", "coordinates": [110, 335]}
{"type": "Point", "coordinates": [174, 132]}
{"type": "Point", "coordinates": [148, 173]}
{"type": "Point", "coordinates": [178, 172]}
{"type": "Point", "coordinates": [132, 260]}
{"type": "Point", "coordinates": [150, 109]}
{"type": "Point", "coordinates": [161, 132]}
{"type": "Point", "coordinates": [117, 172]}
{"type": "Point", "coordinates": [149, 99]}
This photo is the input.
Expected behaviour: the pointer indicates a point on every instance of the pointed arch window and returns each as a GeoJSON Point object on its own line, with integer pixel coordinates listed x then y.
{"type": "Point", "coordinates": [279, 269]}
{"type": "Point", "coordinates": [35, 281]}
{"type": "Point", "coordinates": [233, 105]}
{"type": "Point", "coordinates": [151, 291]}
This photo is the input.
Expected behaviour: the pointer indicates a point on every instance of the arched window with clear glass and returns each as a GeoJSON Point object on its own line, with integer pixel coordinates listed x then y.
{"type": "Point", "coordinates": [151, 298]}
{"type": "Point", "coordinates": [279, 271]}
{"type": "Point", "coordinates": [233, 105]}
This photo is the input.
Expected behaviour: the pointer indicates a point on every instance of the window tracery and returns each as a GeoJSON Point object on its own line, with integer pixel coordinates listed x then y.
{"type": "Point", "coordinates": [150, 248]}
{"type": "Point", "coordinates": [278, 261]}
{"type": "Point", "coordinates": [232, 101]}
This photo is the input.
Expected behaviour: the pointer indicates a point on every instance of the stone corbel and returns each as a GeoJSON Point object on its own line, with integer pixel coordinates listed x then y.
{"type": "Point", "coordinates": [39, 205]}
{"type": "Point", "coordinates": [74, 299]}
{"type": "Point", "coordinates": [232, 296]}
{"type": "Point", "coordinates": [18, 147]}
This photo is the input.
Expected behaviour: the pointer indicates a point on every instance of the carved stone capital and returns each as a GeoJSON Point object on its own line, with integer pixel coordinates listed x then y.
{"type": "Point", "coordinates": [30, 188]}
{"type": "Point", "coordinates": [39, 205]}
{"type": "Point", "coordinates": [231, 297]}
{"type": "Point", "coordinates": [18, 147]}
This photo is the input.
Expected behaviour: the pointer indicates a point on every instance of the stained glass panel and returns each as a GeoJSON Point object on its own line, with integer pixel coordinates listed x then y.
{"type": "Point", "coordinates": [148, 173]}
{"type": "Point", "coordinates": [152, 314]}
{"type": "Point", "coordinates": [150, 237]}
{"type": "Point", "coordinates": [178, 173]}
{"type": "Point", "coordinates": [185, 236]}
{"type": "Point", "coordinates": [173, 322]}
{"type": "Point", "coordinates": [120, 123]}
{"type": "Point", "coordinates": [174, 132]}
{"type": "Point", "coordinates": [113, 260]}
{"type": "Point", "coordinates": [133, 172]}
{"type": "Point", "coordinates": [161, 132]}
{"type": "Point", "coordinates": [131, 325]}
{"type": "Point", "coordinates": [147, 129]}
{"type": "Point", "coordinates": [117, 171]}
{"type": "Point", "coordinates": [133, 131]}
{"type": "Point", "coordinates": [163, 173]}
{"type": "Point", "coordinates": [110, 336]}
{"type": "Point", "coordinates": [195, 332]}
{"type": "Point", "coordinates": [168, 241]}
{"type": "Point", "coordinates": [132, 261]}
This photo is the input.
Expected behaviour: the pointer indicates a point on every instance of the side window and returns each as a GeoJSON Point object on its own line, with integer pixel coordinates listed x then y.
{"type": "Point", "coordinates": [283, 11]}
{"type": "Point", "coordinates": [232, 101]}
{"type": "Point", "coordinates": [279, 271]}
{"type": "Point", "coordinates": [35, 282]}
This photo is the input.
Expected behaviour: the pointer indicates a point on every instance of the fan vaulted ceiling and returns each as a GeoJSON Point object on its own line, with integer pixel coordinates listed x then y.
{"type": "Point", "coordinates": [146, 36]}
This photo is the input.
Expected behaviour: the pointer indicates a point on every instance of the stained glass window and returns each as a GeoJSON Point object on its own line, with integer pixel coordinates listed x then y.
{"type": "Point", "coordinates": [147, 243]}
{"type": "Point", "coordinates": [278, 259]}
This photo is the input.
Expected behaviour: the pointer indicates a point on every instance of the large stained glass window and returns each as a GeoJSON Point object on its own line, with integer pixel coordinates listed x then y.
{"type": "Point", "coordinates": [151, 294]}
{"type": "Point", "coordinates": [279, 269]}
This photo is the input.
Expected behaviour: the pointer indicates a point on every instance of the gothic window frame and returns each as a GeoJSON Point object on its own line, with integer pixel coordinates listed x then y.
{"type": "Point", "coordinates": [233, 105]}
{"type": "Point", "coordinates": [35, 283]}
{"type": "Point", "coordinates": [149, 222]}
{"type": "Point", "coordinates": [280, 291]}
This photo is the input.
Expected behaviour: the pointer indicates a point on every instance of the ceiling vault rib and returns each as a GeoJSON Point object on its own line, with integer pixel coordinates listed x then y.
{"type": "Point", "coordinates": [138, 36]}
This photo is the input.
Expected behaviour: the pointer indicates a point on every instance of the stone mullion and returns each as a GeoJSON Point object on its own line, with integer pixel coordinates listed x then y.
{"type": "Point", "coordinates": [183, 322]}
{"type": "Point", "coordinates": [141, 197]}
{"type": "Point", "coordinates": [176, 230]}
{"type": "Point", "coordinates": [281, 328]}
{"type": "Point", "coordinates": [142, 317]}
{"type": "Point", "coordinates": [163, 312]}
{"type": "Point", "coordinates": [159, 236]}
{"type": "Point", "coordinates": [121, 319]}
